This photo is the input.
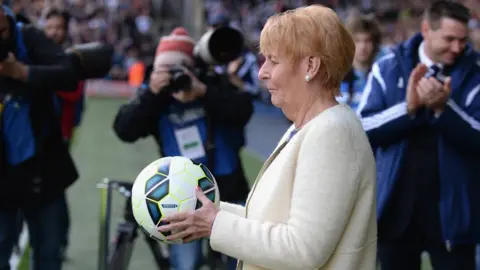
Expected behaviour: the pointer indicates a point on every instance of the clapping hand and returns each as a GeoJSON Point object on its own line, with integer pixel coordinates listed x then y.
{"type": "Point", "coordinates": [414, 101]}
{"type": "Point", "coordinates": [192, 225]}
{"type": "Point", "coordinates": [433, 93]}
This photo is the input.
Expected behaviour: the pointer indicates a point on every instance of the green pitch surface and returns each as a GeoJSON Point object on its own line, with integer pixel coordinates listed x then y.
{"type": "Point", "coordinates": [98, 154]}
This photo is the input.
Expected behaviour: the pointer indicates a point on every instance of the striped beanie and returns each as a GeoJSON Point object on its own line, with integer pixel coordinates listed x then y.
{"type": "Point", "coordinates": [178, 42]}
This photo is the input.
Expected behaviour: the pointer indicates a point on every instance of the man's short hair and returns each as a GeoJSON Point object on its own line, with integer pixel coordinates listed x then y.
{"type": "Point", "coordinates": [440, 9]}
{"type": "Point", "coordinates": [55, 12]}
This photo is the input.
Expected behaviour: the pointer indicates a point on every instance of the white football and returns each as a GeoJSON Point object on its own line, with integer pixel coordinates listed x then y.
{"type": "Point", "coordinates": [167, 186]}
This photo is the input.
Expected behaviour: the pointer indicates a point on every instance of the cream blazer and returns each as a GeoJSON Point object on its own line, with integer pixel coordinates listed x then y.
{"type": "Point", "coordinates": [312, 205]}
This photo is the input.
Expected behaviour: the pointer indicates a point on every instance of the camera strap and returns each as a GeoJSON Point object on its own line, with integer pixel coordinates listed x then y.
{"type": "Point", "coordinates": [210, 143]}
{"type": "Point", "coordinates": [3, 98]}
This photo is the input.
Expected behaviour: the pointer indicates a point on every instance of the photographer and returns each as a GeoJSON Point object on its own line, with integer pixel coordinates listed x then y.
{"type": "Point", "coordinates": [35, 166]}
{"type": "Point", "coordinates": [209, 113]}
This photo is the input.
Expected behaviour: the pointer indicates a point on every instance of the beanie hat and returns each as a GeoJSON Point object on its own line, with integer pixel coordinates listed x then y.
{"type": "Point", "coordinates": [177, 42]}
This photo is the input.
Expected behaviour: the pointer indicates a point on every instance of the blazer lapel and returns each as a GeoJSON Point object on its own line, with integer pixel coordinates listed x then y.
{"type": "Point", "coordinates": [270, 159]}
{"type": "Point", "coordinates": [265, 166]}
{"type": "Point", "coordinates": [259, 176]}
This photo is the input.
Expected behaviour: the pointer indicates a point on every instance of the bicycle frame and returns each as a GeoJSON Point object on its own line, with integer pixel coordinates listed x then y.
{"type": "Point", "coordinates": [105, 216]}
{"type": "Point", "coordinates": [129, 228]}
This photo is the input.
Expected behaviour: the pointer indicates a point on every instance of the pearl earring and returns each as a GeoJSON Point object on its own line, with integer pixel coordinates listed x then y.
{"type": "Point", "coordinates": [307, 78]}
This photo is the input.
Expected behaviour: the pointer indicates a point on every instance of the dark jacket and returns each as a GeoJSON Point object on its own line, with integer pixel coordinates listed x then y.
{"type": "Point", "coordinates": [51, 169]}
{"type": "Point", "coordinates": [227, 111]}
{"type": "Point", "coordinates": [383, 112]}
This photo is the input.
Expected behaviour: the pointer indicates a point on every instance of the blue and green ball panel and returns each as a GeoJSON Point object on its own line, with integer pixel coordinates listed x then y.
{"type": "Point", "coordinates": [166, 234]}
{"type": "Point", "coordinates": [210, 195]}
{"type": "Point", "coordinates": [154, 180]}
{"type": "Point", "coordinates": [206, 171]}
{"type": "Point", "coordinates": [164, 169]}
{"type": "Point", "coordinates": [154, 211]}
{"type": "Point", "coordinates": [159, 192]}
{"type": "Point", "coordinates": [205, 184]}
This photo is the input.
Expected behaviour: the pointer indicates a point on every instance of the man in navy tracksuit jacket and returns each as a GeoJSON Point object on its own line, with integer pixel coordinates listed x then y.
{"type": "Point", "coordinates": [427, 140]}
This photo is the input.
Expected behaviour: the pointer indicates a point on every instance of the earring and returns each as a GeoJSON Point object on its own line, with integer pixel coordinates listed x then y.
{"type": "Point", "coordinates": [307, 78]}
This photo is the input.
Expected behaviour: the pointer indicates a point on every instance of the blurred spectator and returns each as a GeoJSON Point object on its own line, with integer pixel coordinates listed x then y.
{"type": "Point", "coordinates": [136, 68]}
{"type": "Point", "coordinates": [144, 21]}
{"type": "Point", "coordinates": [367, 37]}
{"type": "Point", "coordinates": [475, 34]}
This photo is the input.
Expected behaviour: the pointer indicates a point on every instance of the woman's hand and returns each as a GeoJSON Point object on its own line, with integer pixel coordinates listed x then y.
{"type": "Point", "coordinates": [192, 225]}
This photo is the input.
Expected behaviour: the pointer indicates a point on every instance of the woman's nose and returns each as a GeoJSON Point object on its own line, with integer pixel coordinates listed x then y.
{"type": "Point", "coordinates": [263, 73]}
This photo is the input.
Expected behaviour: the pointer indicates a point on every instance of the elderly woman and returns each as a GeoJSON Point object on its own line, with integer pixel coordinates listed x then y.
{"type": "Point", "coordinates": [313, 204]}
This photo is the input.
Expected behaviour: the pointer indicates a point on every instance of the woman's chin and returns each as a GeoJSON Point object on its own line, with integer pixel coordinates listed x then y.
{"type": "Point", "coordinates": [276, 101]}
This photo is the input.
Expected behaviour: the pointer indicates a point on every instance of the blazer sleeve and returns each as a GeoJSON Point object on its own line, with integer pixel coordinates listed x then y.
{"type": "Point", "coordinates": [235, 209]}
{"type": "Point", "coordinates": [324, 192]}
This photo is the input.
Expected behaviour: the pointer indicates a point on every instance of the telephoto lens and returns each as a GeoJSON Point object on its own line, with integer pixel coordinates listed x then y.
{"type": "Point", "coordinates": [93, 60]}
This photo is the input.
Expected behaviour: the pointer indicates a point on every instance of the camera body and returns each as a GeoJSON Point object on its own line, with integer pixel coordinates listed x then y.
{"type": "Point", "coordinates": [179, 81]}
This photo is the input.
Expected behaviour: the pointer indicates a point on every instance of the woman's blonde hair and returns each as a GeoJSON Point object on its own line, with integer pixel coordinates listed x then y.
{"type": "Point", "coordinates": [311, 31]}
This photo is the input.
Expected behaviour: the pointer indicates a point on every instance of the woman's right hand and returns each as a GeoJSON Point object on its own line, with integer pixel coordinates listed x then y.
{"type": "Point", "coordinates": [159, 79]}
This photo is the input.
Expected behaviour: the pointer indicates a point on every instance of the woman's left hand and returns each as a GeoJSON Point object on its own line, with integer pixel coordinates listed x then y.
{"type": "Point", "coordinates": [192, 225]}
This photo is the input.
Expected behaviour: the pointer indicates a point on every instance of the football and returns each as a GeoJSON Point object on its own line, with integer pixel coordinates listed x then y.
{"type": "Point", "coordinates": [167, 186]}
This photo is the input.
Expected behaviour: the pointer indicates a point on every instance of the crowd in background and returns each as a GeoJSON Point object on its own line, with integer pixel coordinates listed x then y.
{"type": "Point", "coordinates": [398, 19]}
{"type": "Point", "coordinates": [131, 26]}
{"type": "Point", "coordinates": [128, 25]}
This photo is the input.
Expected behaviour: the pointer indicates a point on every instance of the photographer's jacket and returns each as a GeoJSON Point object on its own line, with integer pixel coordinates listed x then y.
{"type": "Point", "coordinates": [34, 162]}
{"type": "Point", "coordinates": [182, 129]}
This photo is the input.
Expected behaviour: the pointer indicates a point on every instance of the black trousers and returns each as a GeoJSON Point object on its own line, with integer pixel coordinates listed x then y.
{"type": "Point", "coordinates": [405, 253]}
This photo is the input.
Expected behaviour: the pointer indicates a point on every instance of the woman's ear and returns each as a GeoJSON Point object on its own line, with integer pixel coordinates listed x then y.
{"type": "Point", "coordinates": [314, 64]}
